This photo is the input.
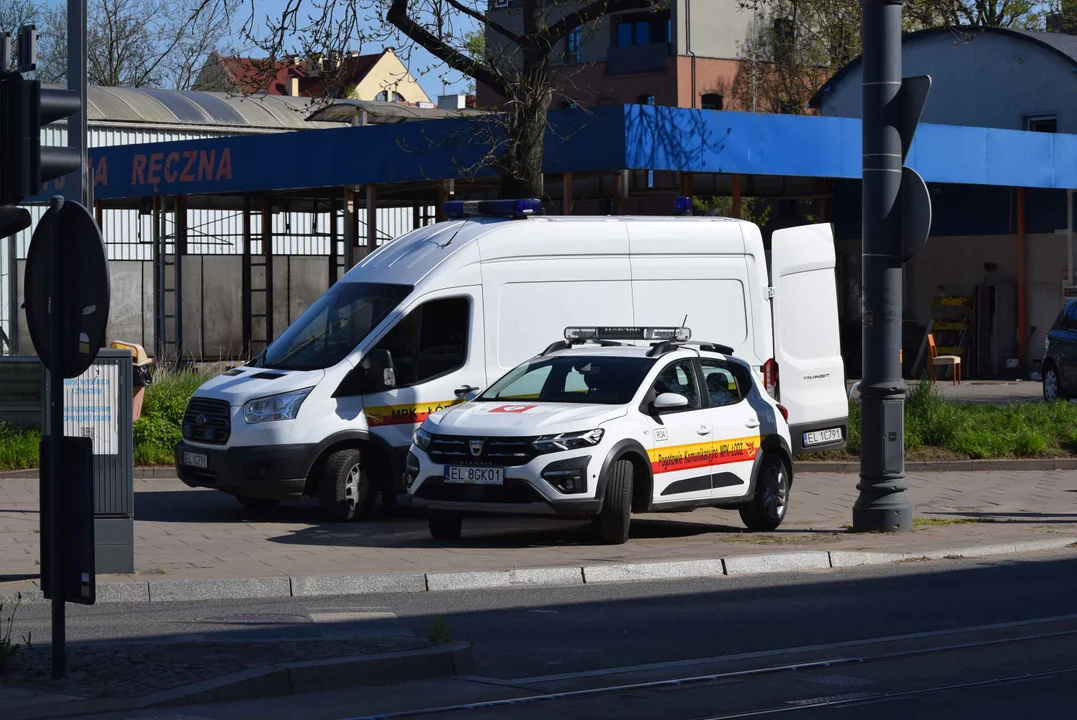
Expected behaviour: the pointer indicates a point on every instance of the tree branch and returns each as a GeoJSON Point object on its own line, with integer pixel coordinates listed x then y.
{"type": "Point", "coordinates": [487, 21]}
{"type": "Point", "coordinates": [398, 16]}
{"type": "Point", "coordinates": [593, 11]}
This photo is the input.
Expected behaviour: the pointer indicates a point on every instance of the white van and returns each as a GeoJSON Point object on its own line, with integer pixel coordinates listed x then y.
{"type": "Point", "coordinates": [426, 321]}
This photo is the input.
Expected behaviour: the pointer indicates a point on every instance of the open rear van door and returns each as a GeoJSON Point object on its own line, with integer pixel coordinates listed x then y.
{"type": "Point", "coordinates": [810, 374]}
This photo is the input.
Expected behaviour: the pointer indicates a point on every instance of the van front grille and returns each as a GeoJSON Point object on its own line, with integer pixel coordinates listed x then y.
{"type": "Point", "coordinates": [207, 421]}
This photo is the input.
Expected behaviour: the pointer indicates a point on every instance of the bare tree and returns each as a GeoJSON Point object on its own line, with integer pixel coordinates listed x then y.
{"type": "Point", "coordinates": [514, 62]}
{"type": "Point", "coordinates": [798, 44]}
{"type": "Point", "coordinates": [137, 43]}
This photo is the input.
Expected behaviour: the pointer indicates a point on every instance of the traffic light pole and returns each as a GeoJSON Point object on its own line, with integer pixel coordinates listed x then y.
{"type": "Point", "coordinates": [76, 81]}
{"type": "Point", "coordinates": [882, 504]}
{"type": "Point", "coordinates": [56, 455]}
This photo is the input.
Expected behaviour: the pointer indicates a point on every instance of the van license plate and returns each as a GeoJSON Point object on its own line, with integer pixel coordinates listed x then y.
{"type": "Point", "coordinates": [822, 437]}
{"type": "Point", "coordinates": [474, 475]}
{"type": "Point", "coordinates": [195, 460]}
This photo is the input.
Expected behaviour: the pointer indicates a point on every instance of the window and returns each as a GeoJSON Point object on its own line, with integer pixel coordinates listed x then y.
{"type": "Point", "coordinates": [679, 378]}
{"type": "Point", "coordinates": [1070, 320]}
{"type": "Point", "coordinates": [644, 29]}
{"type": "Point", "coordinates": [573, 379]}
{"type": "Point", "coordinates": [333, 326]}
{"type": "Point", "coordinates": [1042, 123]}
{"type": "Point", "coordinates": [712, 101]}
{"type": "Point", "coordinates": [430, 341]}
{"type": "Point", "coordinates": [723, 385]}
{"type": "Point", "coordinates": [574, 45]}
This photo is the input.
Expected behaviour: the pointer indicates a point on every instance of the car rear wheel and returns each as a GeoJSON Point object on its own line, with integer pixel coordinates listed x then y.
{"type": "Point", "coordinates": [616, 512]}
{"type": "Point", "coordinates": [1052, 389]}
{"type": "Point", "coordinates": [767, 509]}
{"type": "Point", "coordinates": [344, 490]}
{"type": "Point", "coordinates": [446, 526]}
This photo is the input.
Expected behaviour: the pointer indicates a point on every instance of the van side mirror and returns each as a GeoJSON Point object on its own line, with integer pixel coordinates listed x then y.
{"type": "Point", "coordinates": [380, 372]}
{"type": "Point", "coordinates": [669, 401]}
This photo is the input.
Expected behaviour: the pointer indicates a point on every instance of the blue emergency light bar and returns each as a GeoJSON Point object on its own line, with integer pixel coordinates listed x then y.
{"type": "Point", "coordinates": [492, 208]}
{"type": "Point", "coordinates": [682, 206]}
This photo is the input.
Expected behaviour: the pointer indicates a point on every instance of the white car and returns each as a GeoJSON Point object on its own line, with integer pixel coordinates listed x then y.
{"type": "Point", "coordinates": [596, 428]}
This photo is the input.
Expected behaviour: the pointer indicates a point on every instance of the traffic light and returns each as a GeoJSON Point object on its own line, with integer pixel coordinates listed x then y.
{"type": "Point", "coordinates": [13, 220]}
{"type": "Point", "coordinates": [25, 165]}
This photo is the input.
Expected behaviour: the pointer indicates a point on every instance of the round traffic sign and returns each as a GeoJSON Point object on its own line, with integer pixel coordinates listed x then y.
{"type": "Point", "coordinates": [85, 293]}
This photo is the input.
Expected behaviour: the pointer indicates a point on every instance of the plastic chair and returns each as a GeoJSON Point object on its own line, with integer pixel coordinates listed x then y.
{"type": "Point", "coordinates": [954, 361]}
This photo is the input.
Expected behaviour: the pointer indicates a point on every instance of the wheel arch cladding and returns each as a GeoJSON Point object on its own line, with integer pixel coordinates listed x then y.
{"type": "Point", "coordinates": [642, 478]}
{"type": "Point", "coordinates": [772, 445]}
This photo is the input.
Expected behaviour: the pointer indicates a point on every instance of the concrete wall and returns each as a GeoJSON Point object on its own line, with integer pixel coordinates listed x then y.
{"type": "Point", "coordinates": [992, 81]}
{"type": "Point", "coordinates": [212, 295]}
{"type": "Point", "coordinates": [957, 264]}
{"type": "Point", "coordinates": [718, 28]}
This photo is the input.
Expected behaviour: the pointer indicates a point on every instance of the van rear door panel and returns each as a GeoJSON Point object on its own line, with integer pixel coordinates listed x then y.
{"type": "Point", "coordinates": [807, 346]}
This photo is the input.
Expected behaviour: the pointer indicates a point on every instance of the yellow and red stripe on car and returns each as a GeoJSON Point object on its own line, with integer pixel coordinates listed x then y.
{"type": "Point", "coordinates": [705, 454]}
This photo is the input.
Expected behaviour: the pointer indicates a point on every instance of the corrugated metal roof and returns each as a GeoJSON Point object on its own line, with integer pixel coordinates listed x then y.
{"type": "Point", "coordinates": [380, 112]}
{"type": "Point", "coordinates": [167, 107]}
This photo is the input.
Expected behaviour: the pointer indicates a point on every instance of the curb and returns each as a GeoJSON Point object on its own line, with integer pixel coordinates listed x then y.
{"type": "Point", "coordinates": [1030, 465]}
{"type": "Point", "coordinates": [330, 585]}
{"type": "Point", "coordinates": [284, 679]}
{"type": "Point", "coordinates": [141, 473]}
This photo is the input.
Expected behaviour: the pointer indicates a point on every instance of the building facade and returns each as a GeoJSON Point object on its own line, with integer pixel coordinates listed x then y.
{"type": "Point", "coordinates": [684, 56]}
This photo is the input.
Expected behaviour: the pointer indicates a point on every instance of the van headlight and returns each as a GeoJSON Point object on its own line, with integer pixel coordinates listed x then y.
{"type": "Point", "coordinates": [568, 441]}
{"type": "Point", "coordinates": [275, 407]}
{"type": "Point", "coordinates": [421, 439]}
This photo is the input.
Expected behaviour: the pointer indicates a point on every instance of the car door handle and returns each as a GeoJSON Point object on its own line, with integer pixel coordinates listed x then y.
{"type": "Point", "coordinates": [753, 423]}
{"type": "Point", "coordinates": [464, 391]}
{"type": "Point", "coordinates": [703, 430]}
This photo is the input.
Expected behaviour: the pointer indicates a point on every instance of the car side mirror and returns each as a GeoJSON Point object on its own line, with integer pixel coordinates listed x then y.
{"type": "Point", "coordinates": [669, 401]}
{"type": "Point", "coordinates": [379, 368]}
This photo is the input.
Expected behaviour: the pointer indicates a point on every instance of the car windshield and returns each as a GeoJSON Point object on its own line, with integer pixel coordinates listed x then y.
{"type": "Point", "coordinates": [600, 380]}
{"type": "Point", "coordinates": [333, 326]}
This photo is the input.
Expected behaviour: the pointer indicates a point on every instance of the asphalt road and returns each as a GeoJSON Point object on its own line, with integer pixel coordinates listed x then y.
{"type": "Point", "coordinates": [953, 624]}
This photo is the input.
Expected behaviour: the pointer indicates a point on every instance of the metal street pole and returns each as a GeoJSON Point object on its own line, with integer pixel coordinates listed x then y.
{"type": "Point", "coordinates": [58, 322]}
{"type": "Point", "coordinates": [882, 505]}
{"type": "Point", "coordinates": [76, 186]}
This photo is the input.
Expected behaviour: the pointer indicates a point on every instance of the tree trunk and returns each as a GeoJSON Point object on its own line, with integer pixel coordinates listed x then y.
{"type": "Point", "coordinates": [520, 165]}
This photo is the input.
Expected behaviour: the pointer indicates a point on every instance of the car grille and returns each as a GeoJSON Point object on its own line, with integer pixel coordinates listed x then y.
{"type": "Point", "coordinates": [495, 451]}
{"type": "Point", "coordinates": [514, 491]}
{"type": "Point", "coordinates": [207, 421]}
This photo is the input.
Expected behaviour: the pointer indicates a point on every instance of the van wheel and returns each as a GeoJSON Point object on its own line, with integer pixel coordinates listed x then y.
{"type": "Point", "coordinates": [617, 506]}
{"type": "Point", "coordinates": [767, 509]}
{"type": "Point", "coordinates": [344, 490]}
{"type": "Point", "coordinates": [257, 503]}
{"type": "Point", "coordinates": [446, 526]}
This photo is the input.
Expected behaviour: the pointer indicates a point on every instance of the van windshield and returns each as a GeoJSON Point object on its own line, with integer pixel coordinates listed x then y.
{"type": "Point", "coordinates": [333, 326]}
{"type": "Point", "coordinates": [608, 380]}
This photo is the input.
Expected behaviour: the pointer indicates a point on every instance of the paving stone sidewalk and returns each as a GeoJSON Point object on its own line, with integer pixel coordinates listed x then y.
{"type": "Point", "coordinates": [182, 533]}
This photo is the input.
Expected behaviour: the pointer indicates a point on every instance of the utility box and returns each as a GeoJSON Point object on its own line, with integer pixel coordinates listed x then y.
{"type": "Point", "coordinates": [97, 405]}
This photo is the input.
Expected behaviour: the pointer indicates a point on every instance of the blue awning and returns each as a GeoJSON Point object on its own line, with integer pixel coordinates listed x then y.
{"type": "Point", "coordinates": [608, 138]}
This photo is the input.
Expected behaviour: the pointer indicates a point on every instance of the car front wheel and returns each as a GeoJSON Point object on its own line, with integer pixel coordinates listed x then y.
{"type": "Point", "coordinates": [617, 506]}
{"type": "Point", "coordinates": [1052, 389]}
{"type": "Point", "coordinates": [344, 489]}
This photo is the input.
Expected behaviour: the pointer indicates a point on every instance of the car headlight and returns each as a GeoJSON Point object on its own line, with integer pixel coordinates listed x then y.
{"type": "Point", "coordinates": [421, 438]}
{"type": "Point", "coordinates": [275, 407]}
{"type": "Point", "coordinates": [568, 441]}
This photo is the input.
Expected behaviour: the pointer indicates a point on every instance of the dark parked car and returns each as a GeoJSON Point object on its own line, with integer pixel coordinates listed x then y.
{"type": "Point", "coordinates": [1060, 356]}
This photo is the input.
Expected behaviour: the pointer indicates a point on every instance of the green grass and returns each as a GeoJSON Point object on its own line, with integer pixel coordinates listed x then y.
{"type": "Point", "coordinates": [936, 522]}
{"type": "Point", "coordinates": [156, 432]}
{"type": "Point", "coordinates": [936, 427]}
